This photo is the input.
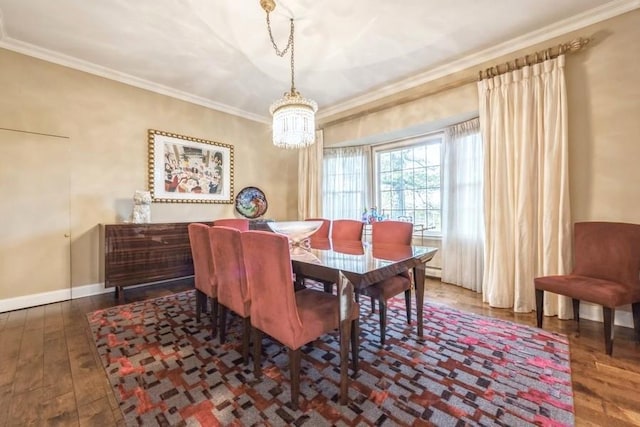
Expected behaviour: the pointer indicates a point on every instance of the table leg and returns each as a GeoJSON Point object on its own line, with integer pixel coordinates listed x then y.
{"type": "Point", "coordinates": [345, 293]}
{"type": "Point", "coordinates": [419, 274]}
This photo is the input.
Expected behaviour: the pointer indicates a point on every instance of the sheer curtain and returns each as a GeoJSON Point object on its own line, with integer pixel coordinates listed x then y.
{"type": "Point", "coordinates": [345, 183]}
{"type": "Point", "coordinates": [463, 222]}
{"type": "Point", "coordinates": [310, 178]}
{"type": "Point", "coordinates": [523, 117]}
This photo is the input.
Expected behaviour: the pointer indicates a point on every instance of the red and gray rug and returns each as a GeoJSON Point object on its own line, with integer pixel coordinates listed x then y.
{"type": "Point", "coordinates": [467, 370]}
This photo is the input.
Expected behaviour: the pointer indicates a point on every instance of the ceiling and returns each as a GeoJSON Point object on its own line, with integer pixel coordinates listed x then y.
{"type": "Point", "coordinates": [217, 53]}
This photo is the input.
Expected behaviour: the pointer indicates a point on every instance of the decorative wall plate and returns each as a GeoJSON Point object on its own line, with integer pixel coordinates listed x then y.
{"type": "Point", "coordinates": [251, 202]}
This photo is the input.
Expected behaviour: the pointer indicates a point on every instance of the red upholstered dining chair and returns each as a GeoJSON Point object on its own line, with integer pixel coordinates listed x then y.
{"type": "Point", "coordinates": [292, 318]}
{"type": "Point", "coordinates": [204, 273]}
{"type": "Point", "coordinates": [323, 231]}
{"type": "Point", "coordinates": [233, 292]}
{"type": "Point", "coordinates": [606, 272]}
{"type": "Point", "coordinates": [346, 229]}
{"type": "Point", "coordinates": [241, 224]}
{"type": "Point", "coordinates": [390, 233]}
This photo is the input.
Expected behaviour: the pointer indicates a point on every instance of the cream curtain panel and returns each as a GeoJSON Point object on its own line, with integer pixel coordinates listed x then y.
{"type": "Point", "coordinates": [310, 179]}
{"type": "Point", "coordinates": [462, 216]}
{"type": "Point", "coordinates": [345, 186]}
{"type": "Point", "coordinates": [523, 117]}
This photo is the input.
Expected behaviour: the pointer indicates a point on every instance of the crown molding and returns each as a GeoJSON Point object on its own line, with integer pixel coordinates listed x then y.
{"type": "Point", "coordinates": [88, 67]}
{"type": "Point", "coordinates": [598, 14]}
{"type": "Point", "coordinates": [557, 29]}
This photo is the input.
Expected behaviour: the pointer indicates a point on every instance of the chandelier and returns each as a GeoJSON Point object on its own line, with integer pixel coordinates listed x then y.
{"type": "Point", "coordinates": [294, 123]}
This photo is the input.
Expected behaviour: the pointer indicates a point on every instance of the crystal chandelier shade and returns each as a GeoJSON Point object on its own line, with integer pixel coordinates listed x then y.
{"type": "Point", "coordinates": [294, 122]}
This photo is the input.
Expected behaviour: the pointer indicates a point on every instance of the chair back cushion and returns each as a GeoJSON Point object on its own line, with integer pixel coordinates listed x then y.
{"type": "Point", "coordinates": [608, 250]}
{"type": "Point", "coordinates": [323, 231]}
{"type": "Point", "coordinates": [346, 229]}
{"type": "Point", "coordinates": [237, 223]}
{"type": "Point", "coordinates": [269, 275]}
{"type": "Point", "coordinates": [204, 273]}
{"type": "Point", "coordinates": [394, 232]}
{"type": "Point", "coordinates": [228, 261]}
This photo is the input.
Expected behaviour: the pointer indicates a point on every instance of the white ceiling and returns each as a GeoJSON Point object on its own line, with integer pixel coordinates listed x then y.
{"type": "Point", "coordinates": [217, 53]}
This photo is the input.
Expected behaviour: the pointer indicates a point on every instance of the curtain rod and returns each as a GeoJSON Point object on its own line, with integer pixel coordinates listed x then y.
{"type": "Point", "coordinates": [534, 58]}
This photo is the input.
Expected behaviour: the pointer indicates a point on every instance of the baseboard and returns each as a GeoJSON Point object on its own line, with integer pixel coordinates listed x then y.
{"type": "Point", "coordinates": [623, 316]}
{"type": "Point", "coordinates": [26, 301]}
{"type": "Point", "coordinates": [33, 300]}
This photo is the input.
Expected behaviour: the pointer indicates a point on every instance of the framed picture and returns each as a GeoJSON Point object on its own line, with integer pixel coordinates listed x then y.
{"type": "Point", "coordinates": [183, 169]}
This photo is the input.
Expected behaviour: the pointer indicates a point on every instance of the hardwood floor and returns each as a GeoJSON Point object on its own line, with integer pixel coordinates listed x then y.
{"type": "Point", "coordinates": [50, 375]}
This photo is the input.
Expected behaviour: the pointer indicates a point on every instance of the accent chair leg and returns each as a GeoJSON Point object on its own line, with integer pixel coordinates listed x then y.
{"type": "Point", "coordinates": [355, 345]}
{"type": "Point", "coordinates": [246, 333]}
{"type": "Point", "coordinates": [607, 315]}
{"type": "Point", "coordinates": [635, 308]}
{"type": "Point", "coordinates": [223, 324]}
{"type": "Point", "coordinates": [407, 303]}
{"type": "Point", "coordinates": [539, 304]}
{"type": "Point", "coordinates": [294, 370]}
{"type": "Point", "coordinates": [576, 313]}
{"type": "Point", "coordinates": [383, 320]}
{"type": "Point", "coordinates": [373, 305]}
{"type": "Point", "coordinates": [257, 349]}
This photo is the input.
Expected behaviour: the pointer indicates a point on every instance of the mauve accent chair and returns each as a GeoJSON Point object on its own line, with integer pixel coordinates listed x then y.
{"type": "Point", "coordinates": [233, 291]}
{"type": "Point", "coordinates": [322, 232]}
{"type": "Point", "coordinates": [292, 318]}
{"type": "Point", "coordinates": [204, 273]}
{"type": "Point", "coordinates": [237, 223]}
{"type": "Point", "coordinates": [606, 272]}
{"type": "Point", "coordinates": [346, 229]}
{"type": "Point", "coordinates": [390, 233]}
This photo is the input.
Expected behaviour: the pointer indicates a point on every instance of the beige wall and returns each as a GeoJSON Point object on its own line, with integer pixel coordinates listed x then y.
{"type": "Point", "coordinates": [107, 124]}
{"type": "Point", "coordinates": [604, 117]}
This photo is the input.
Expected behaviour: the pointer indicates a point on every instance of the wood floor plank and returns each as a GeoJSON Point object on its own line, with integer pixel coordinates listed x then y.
{"type": "Point", "coordinates": [35, 318]}
{"type": "Point", "coordinates": [25, 408]}
{"type": "Point", "coordinates": [97, 414]}
{"type": "Point", "coordinates": [60, 411]}
{"type": "Point", "coordinates": [6, 393]}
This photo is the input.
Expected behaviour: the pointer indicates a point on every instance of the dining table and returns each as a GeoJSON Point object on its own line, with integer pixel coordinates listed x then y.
{"type": "Point", "coordinates": [354, 265]}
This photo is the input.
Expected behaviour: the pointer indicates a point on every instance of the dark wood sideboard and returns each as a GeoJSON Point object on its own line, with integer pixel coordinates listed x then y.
{"type": "Point", "coordinates": [136, 254]}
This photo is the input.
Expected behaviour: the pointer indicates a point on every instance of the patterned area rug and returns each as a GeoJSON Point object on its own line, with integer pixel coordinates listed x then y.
{"type": "Point", "coordinates": [165, 369]}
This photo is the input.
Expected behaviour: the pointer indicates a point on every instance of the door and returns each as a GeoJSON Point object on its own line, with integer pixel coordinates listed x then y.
{"type": "Point", "coordinates": [35, 254]}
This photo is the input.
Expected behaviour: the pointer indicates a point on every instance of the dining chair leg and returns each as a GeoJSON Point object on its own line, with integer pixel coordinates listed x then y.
{"type": "Point", "coordinates": [383, 320]}
{"type": "Point", "coordinates": [223, 324]}
{"type": "Point", "coordinates": [355, 345]}
{"type": "Point", "coordinates": [294, 371]}
{"type": "Point", "coordinates": [199, 295]}
{"type": "Point", "coordinates": [373, 305]}
{"type": "Point", "coordinates": [407, 302]}
{"type": "Point", "coordinates": [257, 349]}
{"type": "Point", "coordinates": [246, 333]}
{"type": "Point", "coordinates": [214, 316]}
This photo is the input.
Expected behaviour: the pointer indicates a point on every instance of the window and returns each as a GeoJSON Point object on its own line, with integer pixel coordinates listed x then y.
{"type": "Point", "coordinates": [408, 179]}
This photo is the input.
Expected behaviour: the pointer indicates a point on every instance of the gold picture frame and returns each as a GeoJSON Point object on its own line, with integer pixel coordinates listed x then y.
{"type": "Point", "coordinates": [184, 169]}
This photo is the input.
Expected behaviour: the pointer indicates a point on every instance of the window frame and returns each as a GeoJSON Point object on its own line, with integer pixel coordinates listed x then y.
{"type": "Point", "coordinates": [436, 137]}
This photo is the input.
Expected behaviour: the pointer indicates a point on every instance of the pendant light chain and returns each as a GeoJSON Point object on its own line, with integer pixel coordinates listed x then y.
{"type": "Point", "coordinates": [283, 52]}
